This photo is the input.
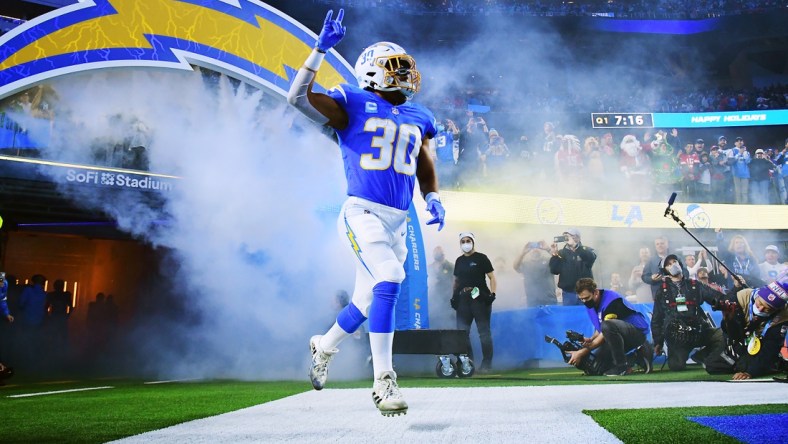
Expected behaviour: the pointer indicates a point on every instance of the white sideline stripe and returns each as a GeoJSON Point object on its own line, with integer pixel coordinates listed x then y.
{"type": "Point", "coordinates": [501, 415]}
{"type": "Point", "coordinates": [27, 395]}
{"type": "Point", "coordinates": [171, 380]}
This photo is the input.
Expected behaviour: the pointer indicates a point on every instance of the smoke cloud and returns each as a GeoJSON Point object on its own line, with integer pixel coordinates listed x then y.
{"type": "Point", "coordinates": [253, 258]}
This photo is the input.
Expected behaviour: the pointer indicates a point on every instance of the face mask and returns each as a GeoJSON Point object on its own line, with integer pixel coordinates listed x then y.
{"type": "Point", "coordinates": [589, 303]}
{"type": "Point", "coordinates": [439, 258]}
{"type": "Point", "coordinates": [466, 247]}
{"type": "Point", "coordinates": [757, 312]}
{"type": "Point", "coordinates": [674, 269]}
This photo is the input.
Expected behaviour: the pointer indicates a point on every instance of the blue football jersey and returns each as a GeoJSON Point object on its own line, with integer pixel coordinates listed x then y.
{"type": "Point", "coordinates": [444, 147]}
{"type": "Point", "coordinates": [381, 144]}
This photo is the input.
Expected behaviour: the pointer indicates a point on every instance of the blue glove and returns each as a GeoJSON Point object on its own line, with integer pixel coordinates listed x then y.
{"type": "Point", "coordinates": [435, 208]}
{"type": "Point", "coordinates": [332, 31]}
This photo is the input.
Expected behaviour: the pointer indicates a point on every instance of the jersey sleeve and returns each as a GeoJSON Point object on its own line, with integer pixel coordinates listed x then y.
{"type": "Point", "coordinates": [340, 94]}
{"type": "Point", "coordinates": [430, 128]}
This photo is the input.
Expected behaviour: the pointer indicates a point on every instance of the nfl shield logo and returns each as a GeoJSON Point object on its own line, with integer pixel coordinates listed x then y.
{"type": "Point", "coordinates": [394, 111]}
{"type": "Point", "coordinates": [371, 107]}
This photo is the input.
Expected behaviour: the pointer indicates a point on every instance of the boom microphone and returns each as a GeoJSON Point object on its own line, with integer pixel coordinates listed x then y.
{"type": "Point", "coordinates": [670, 203]}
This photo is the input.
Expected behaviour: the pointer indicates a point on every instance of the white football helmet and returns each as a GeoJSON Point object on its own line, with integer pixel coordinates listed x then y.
{"type": "Point", "coordinates": [385, 66]}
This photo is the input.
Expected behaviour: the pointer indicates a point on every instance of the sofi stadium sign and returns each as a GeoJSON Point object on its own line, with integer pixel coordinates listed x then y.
{"type": "Point", "coordinates": [117, 180]}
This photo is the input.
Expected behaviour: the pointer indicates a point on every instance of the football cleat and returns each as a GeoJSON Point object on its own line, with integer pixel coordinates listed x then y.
{"type": "Point", "coordinates": [387, 397]}
{"type": "Point", "coordinates": [318, 372]}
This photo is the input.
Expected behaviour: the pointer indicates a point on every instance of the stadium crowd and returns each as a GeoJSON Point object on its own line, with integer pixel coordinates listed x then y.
{"type": "Point", "coordinates": [638, 9]}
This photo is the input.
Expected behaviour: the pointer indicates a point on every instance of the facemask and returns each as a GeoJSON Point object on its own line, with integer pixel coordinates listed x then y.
{"type": "Point", "coordinates": [466, 247]}
{"type": "Point", "coordinates": [758, 312]}
{"type": "Point", "coordinates": [439, 258]}
{"type": "Point", "coordinates": [589, 303]}
{"type": "Point", "coordinates": [674, 269]}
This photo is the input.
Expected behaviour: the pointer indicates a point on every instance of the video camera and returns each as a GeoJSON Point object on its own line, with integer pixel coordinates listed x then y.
{"type": "Point", "coordinates": [574, 342]}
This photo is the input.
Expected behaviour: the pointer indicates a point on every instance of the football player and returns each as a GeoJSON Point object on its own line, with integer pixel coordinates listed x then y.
{"type": "Point", "coordinates": [384, 139]}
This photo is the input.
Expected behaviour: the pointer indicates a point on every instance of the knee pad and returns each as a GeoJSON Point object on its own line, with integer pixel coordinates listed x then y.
{"type": "Point", "coordinates": [390, 271]}
{"type": "Point", "coordinates": [381, 312]}
{"type": "Point", "coordinates": [350, 318]}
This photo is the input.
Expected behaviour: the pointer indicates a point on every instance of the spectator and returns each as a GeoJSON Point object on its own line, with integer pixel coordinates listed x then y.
{"type": "Point", "coordinates": [703, 186]}
{"type": "Point", "coordinates": [469, 159]}
{"type": "Point", "coordinates": [665, 166]}
{"type": "Point", "coordinates": [472, 298]}
{"type": "Point", "coordinates": [688, 161]}
{"type": "Point", "coordinates": [32, 308]}
{"type": "Point", "coordinates": [739, 159]}
{"type": "Point", "coordinates": [679, 320]}
{"type": "Point", "coordinates": [636, 166]}
{"type": "Point", "coordinates": [441, 273]}
{"type": "Point", "coordinates": [618, 327]}
{"type": "Point", "coordinates": [704, 278]}
{"type": "Point", "coordinates": [572, 263]}
{"type": "Point", "coordinates": [770, 267]}
{"type": "Point", "coordinates": [638, 288]}
{"type": "Point", "coordinates": [496, 154]}
{"type": "Point", "coordinates": [738, 256]}
{"type": "Point", "coordinates": [761, 171]}
{"type": "Point", "coordinates": [59, 305]}
{"type": "Point", "coordinates": [533, 263]}
{"type": "Point", "coordinates": [568, 159]}
{"type": "Point", "coordinates": [444, 152]}
{"type": "Point", "coordinates": [781, 177]}
{"type": "Point", "coordinates": [5, 370]}
{"type": "Point", "coordinates": [653, 271]}
{"type": "Point", "coordinates": [722, 175]}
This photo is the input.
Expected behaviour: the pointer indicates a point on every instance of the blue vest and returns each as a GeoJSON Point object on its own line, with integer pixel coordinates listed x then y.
{"type": "Point", "coordinates": [637, 319]}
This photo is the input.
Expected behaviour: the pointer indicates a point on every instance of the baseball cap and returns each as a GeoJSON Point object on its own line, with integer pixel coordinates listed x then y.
{"type": "Point", "coordinates": [739, 138]}
{"type": "Point", "coordinates": [772, 248]}
{"type": "Point", "coordinates": [722, 138]}
{"type": "Point", "coordinates": [573, 231]}
{"type": "Point", "coordinates": [759, 151]}
{"type": "Point", "coordinates": [699, 141]}
{"type": "Point", "coordinates": [468, 234]}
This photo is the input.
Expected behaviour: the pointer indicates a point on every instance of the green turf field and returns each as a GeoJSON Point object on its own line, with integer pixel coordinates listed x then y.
{"type": "Point", "coordinates": [131, 407]}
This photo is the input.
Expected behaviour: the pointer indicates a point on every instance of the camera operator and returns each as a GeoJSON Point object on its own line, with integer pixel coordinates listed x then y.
{"type": "Point", "coordinates": [679, 319]}
{"type": "Point", "coordinates": [754, 320]}
{"type": "Point", "coordinates": [571, 263]}
{"type": "Point", "coordinates": [618, 327]}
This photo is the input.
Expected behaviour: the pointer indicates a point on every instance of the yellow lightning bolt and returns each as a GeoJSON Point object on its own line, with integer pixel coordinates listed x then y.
{"type": "Point", "coordinates": [269, 46]}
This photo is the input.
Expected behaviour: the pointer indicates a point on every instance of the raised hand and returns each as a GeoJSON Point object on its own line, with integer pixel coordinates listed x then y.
{"type": "Point", "coordinates": [435, 208]}
{"type": "Point", "coordinates": [332, 31]}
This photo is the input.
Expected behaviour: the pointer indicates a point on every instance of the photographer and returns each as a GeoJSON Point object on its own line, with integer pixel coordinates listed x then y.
{"type": "Point", "coordinates": [533, 264]}
{"type": "Point", "coordinates": [754, 320]}
{"type": "Point", "coordinates": [679, 319]}
{"type": "Point", "coordinates": [618, 328]}
{"type": "Point", "coordinates": [472, 299]}
{"type": "Point", "coordinates": [571, 263]}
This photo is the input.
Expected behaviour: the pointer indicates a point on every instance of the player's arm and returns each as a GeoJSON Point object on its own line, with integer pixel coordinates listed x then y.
{"type": "Point", "coordinates": [319, 108]}
{"type": "Point", "coordinates": [425, 170]}
{"type": "Point", "coordinates": [428, 182]}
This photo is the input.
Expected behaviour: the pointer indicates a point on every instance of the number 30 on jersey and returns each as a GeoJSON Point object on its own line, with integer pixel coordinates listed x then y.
{"type": "Point", "coordinates": [393, 144]}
